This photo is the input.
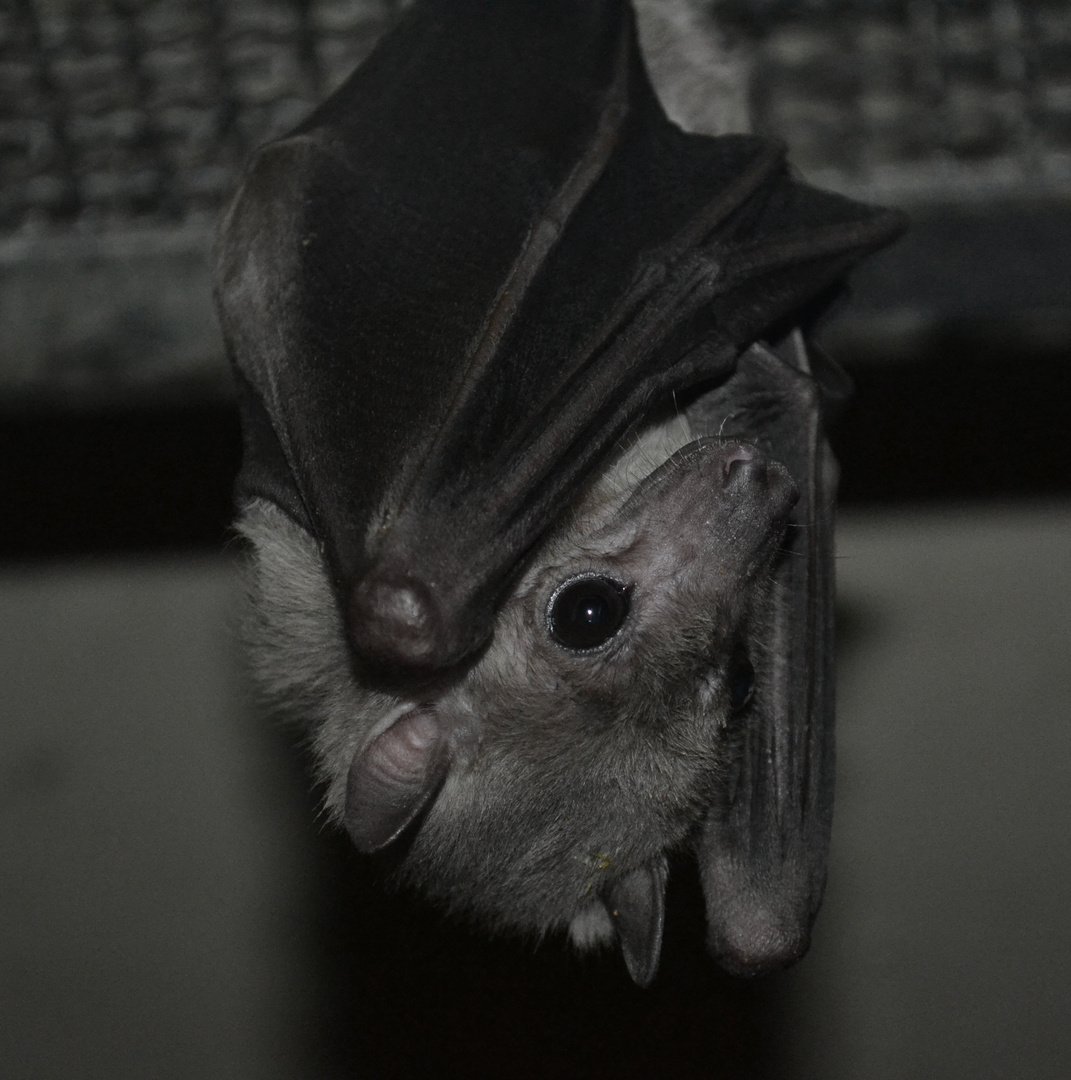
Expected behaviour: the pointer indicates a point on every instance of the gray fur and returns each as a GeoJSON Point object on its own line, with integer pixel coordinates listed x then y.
{"type": "Point", "coordinates": [702, 81]}
{"type": "Point", "coordinates": [559, 779]}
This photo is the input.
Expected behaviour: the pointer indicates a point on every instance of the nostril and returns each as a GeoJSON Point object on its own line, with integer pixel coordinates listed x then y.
{"type": "Point", "coordinates": [735, 457]}
{"type": "Point", "coordinates": [743, 462]}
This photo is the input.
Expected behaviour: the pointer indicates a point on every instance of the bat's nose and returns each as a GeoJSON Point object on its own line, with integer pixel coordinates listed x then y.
{"type": "Point", "coordinates": [737, 456]}
{"type": "Point", "coordinates": [745, 465]}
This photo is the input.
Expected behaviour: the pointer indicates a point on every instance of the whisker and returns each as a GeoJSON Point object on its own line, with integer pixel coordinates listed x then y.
{"type": "Point", "coordinates": [724, 420]}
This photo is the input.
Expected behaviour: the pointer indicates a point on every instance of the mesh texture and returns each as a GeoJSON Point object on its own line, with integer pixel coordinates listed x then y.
{"type": "Point", "coordinates": [144, 111]}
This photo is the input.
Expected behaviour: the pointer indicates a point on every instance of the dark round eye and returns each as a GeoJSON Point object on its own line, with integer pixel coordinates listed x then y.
{"type": "Point", "coordinates": [586, 612]}
{"type": "Point", "coordinates": [741, 683]}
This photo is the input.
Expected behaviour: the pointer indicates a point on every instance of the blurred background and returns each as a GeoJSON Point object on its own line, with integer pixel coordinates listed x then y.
{"type": "Point", "coordinates": [170, 905]}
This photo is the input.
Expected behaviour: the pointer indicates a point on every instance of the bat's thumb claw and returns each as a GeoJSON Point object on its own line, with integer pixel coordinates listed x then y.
{"type": "Point", "coordinates": [393, 622]}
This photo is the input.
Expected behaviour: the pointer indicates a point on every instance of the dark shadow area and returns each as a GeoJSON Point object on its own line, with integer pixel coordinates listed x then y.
{"type": "Point", "coordinates": [973, 415]}
{"type": "Point", "coordinates": [94, 483]}
{"type": "Point", "coordinates": [409, 993]}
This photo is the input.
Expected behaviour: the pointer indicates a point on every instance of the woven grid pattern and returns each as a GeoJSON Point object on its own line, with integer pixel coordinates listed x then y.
{"type": "Point", "coordinates": [922, 99]}
{"type": "Point", "coordinates": [112, 110]}
{"type": "Point", "coordinates": [115, 112]}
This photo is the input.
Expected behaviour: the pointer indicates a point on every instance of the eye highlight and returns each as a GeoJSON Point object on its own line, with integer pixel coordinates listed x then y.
{"type": "Point", "coordinates": [586, 612]}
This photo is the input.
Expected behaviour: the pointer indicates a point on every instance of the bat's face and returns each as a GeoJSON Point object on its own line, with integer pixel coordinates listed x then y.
{"type": "Point", "coordinates": [544, 786]}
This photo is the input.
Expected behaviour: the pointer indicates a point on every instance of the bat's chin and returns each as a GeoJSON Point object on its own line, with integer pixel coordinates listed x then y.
{"type": "Point", "coordinates": [546, 889]}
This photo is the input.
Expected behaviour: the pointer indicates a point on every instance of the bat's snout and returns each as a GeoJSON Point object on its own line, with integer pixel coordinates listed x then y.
{"type": "Point", "coordinates": [725, 480]}
{"type": "Point", "coordinates": [745, 466]}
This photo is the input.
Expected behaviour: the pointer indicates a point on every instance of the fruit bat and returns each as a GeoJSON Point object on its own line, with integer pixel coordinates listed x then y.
{"type": "Point", "coordinates": [535, 481]}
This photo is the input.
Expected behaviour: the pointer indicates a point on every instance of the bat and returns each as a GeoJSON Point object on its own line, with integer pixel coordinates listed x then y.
{"type": "Point", "coordinates": [535, 480]}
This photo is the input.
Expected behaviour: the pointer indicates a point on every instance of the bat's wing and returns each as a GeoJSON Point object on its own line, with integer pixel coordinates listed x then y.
{"type": "Point", "coordinates": [762, 856]}
{"type": "Point", "coordinates": [473, 269]}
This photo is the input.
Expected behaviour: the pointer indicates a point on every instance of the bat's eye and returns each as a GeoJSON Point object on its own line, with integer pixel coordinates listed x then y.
{"type": "Point", "coordinates": [586, 612]}
{"type": "Point", "coordinates": [741, 683]}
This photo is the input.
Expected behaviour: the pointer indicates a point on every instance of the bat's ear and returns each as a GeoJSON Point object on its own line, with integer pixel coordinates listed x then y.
{"type": "Point", "coordinates": [637, 907]}
{"type": "Point", "coordinates": [834, 383]}
{"type": "Point", "coordinates": [395, 777]}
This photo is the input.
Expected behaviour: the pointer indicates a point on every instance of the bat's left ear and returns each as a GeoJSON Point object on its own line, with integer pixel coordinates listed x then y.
{"type": "Point", "coordinates": [395, 777]}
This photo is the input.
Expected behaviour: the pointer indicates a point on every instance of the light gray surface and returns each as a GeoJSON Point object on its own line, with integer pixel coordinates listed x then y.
{"type": "Point", "coordinates": [944, 947]}
{"type": "Point", "coordinates": [150, 921]}
{"type": "Point", "coordinates": [150, 910]}
{"type": "Point", "coordinates": [111, 318]}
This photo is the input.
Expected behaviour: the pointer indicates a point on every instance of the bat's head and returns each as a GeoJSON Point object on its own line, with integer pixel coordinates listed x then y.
{"type": "Point", "coordinates": [589, 738]}
{"type": "Point", "coordinates": [543, 787]}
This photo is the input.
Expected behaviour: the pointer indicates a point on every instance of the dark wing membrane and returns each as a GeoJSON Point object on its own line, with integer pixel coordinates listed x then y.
{"type": "Point", "coordinates": [490, 254]}
{"type": "Point", "coordinates": [366, 267]}
{"type": "Point", "coordinates": [762, 855]}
